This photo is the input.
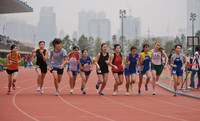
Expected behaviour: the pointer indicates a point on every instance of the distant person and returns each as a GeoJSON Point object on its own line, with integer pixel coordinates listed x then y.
{"type": "Point", "coordinates": [41, 65]}
{"type": "Point", "coordinates": [195, 68]}
{"type": "Point", "coordinates": [170, 55]}
{"type": "Point", "coordinates": [13, 60]}
{"type": "Point", "coordinates": [25, 61]}
{"type": "Point", "coordinates": [30, 64]}
{"type": "Point", "coordinates": [1, 67]}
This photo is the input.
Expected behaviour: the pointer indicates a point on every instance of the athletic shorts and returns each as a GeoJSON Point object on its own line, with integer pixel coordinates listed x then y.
{"type": "Point", "coordinates": [87, 73]}
{"type": "Point", "coordinates": [157, 68]}
{"type": "Point", "coordinates": [119, 73]}
{"type": "Point", "coordinates": [102, 72]}
{"type": "Point", "coordinates": [11, 71]}
{"type": "Point", "coordinates": [59, 71]}
{"type": "Point", "coordinates": [178, 73]}
{"type": "Point", "coordinates": [74, 73]}
{"type": "Point", "coordinates": [42, 68]}
{"type": "Point", "coordinates": [143, 72]}
{"type": "Point", "coordinates": [129, 72]}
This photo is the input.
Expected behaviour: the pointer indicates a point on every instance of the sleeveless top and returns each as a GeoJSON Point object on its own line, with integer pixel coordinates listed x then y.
{"type": "Point", "coordinates": [178, 61]}
{"type": "Point", "coordinates": [14, 65]}
{"type": "Point", "coordinates": [102, 63]}
{"type": "Point", "coordinates": [146, 63]}
{"type": "Point", "coordinates": [133, 62]}
{"type": "Point", "coordinates": [40, 61]}
{"type": "Point", "coordinates": [157, 57]}
{"type": "Point", "coordinates": [86, 61]}
{"type": "Point", "coordinates": [117, 62]}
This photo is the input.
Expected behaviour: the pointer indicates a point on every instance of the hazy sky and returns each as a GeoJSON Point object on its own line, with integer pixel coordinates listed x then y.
{"type": "Point", "coordinates": [158, 15]}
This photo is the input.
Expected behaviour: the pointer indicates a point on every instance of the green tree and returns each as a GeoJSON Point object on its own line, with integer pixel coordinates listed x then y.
{"type": "Point", "coordinates": [114, 40]}
{"type": "Point", "coordinates": [83, 42]}
{"type": "Point", "coordinates": [177, 40]}
{"type": "Point", "coordinates": [91, 47]}
{"type": "Point", "coordinates": [66, 43]}
{"type": "Point", "coordinates": [97, 46]}
{"type": "Point", "coordinates": [109, 46]}
{"type": "Point", "coordinates": [169, 45]}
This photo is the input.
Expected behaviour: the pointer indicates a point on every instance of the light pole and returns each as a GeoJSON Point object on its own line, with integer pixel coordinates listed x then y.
{"type": "Point", "coordinates": [193, 18]}
{"type": "Point", "coordinates": [34, 41]}
{"type": "Point", "coordinates": [122, 15]}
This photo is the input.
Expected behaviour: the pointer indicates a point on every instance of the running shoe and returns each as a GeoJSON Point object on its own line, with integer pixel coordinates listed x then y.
{"type": "Point", "coordinates": [139, 92]}
{"type": "Point", "coordinates": [154, 92]}
{"type": "Point", "coordinates": [41, 91]}
{"type": "Point", "coordinates": [14, 87]}
{"type": "Point", "coordinates": [114, 94]}
{"type": "Point", "coordinates": [57, 93]}
{"type": "Point", "coordinates": [146, 87]}
{"type": "Point", "coordinates": [72, 91]}
{"type": "Point", "coordinates": [38, 89]}
{"type": "Point", "coordinates": [8, 92]}
{"type": "Point", "coordinates": [84, 91]}
{"type": "Point", "coordinates": [97, 85]}
{"type": "Point", "coordinates": [101, 93]}
{"type": "Point", "coordinates": [81, 88]}
{"type": "Point", "coordinates": [175, 94]}
{"type": "Point", "coordinates": [131, 86]}
{"type": "Point", "coordinates": [127, 93]}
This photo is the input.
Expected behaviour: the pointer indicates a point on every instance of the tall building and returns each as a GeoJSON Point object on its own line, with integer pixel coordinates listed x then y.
{"type": "Point", "coordinates": [131, 28]}
{"type": "Point", "coordinates": [21, 31]}
{"type": "Point", "coordinates": [100, 28]}
{"type": "Point", "coordinates": [46, 25]}
{"type": "Point", "coordinates": [83, 22]}
{"type": "Point", "coordinates": [193, 6]}
{"type": "Point", "coordinates": [95, 25]}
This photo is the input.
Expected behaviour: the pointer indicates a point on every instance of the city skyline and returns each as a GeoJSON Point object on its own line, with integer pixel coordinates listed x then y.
{"type": "Point", "coordinates": [161, 20]}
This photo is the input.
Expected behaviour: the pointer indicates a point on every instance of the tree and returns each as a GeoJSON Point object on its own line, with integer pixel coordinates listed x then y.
{"type": "Point", "coordinates": [114, 40]}
{"type": "Point", "coordinates": [97, 46]}
{"type": "Point", "coordinates": [177, 40]}
{"type": "Point", "coordinates": [91, 47]}
{"type": "Point", "coordinates": [74, 42]}
{"type": "Point", "coordinates": [66, 44]}
{"type": "Point", "coordinates": [198, 34]}
{"type": "Point", "coordinates": [169, 45]}
{"type": "Point", "coordinates": [83, 42]}
{"type": "Point", "coordinates": [146, 41]}
{"type": "Point", "coordinates": [109, 46]}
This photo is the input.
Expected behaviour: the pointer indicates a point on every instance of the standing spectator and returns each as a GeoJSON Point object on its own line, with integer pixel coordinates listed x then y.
{"type": "Point", "coordinates": [1, 67]}
{"type": "Point", "coordinates": [25, 61]}
{"type": "Point", "coordinates": [195, 68]}
{"type": "Point", "coordinates": [30, 64]}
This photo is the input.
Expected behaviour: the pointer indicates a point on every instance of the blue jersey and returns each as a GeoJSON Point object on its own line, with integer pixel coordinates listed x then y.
{"type": "Point", "coordinates": [147, 63]}
{"type": "Point", "coordinates": [179, 63]}
{"type": "Point", "coordinates": [133, 61]}
{"type": "Point", "coordinates": [86, 61]}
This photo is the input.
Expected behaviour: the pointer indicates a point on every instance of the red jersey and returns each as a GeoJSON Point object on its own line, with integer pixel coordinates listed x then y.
{"type": "Point", "coordinates": [117, 62]}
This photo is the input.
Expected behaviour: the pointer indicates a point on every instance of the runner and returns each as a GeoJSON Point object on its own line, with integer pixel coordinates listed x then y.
{"type": "Point", "coordinates": [117, 67]}
{"type": "Point", "coordinates": [178, 63]}
{"type": "Point", "coordinates": [145, 60]}
{"type": "Point", "coordinates": [130, 68]}
{"type": "Point", "coordinates": [13, 60]}
{"type": "Point", "coordinates": [73, 67]}
{"type": "Point", "coordinates": [102, 62]}
{"type": "Point", "coordinates": [41, 66]}
{"type": "Point", "coordinates": [57, 61]}
{"type": "Point", "coordinates": [86, 66]}
{"type": "Point", "coordinates": [156, 69]}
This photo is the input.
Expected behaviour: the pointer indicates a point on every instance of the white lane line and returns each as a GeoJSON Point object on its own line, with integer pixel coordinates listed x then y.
{"type": "Point", "coordinates": [17, 107]}
{"type": "Point", "coordinates": [80, 109]}
{"type": "Point", "coordinates": [139, 109]}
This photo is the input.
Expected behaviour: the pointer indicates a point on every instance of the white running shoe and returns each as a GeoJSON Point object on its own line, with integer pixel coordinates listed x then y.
{"type": "Point", "coordinates": [38, 89]}
{"type": "Point", "coordinates": [114, 94]}
{"type": "Point", "coordinates": [57, 93]}
{"type": "Point", "coordinates": [154, 92]}
{"type": "Point", "coordinates": [41, 91]}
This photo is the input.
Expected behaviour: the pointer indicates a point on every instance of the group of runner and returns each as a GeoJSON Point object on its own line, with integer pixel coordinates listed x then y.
{"type": "Point", "coordinates": [148, 62]}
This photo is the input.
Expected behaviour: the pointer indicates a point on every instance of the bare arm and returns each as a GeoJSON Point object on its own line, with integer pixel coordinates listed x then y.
{"type": "Point", "coordinates": [49, 68]}
{"type": "Point", "coordinates": [185, 62]}
{"type": "Point", "coordinates": [96, 62]}
{"type": "Point", "coordinates": [19, 59]}
{"type": "Point", "coordinates": [91, 61]}
{"type": "Point", "coordinates": [166, 58]}
{"type": "Point", "coordinates": [32, 55]}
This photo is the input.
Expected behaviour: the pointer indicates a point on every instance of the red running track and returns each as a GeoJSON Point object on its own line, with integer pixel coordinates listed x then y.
{"type": "Point", "coordinates": [25, 103]}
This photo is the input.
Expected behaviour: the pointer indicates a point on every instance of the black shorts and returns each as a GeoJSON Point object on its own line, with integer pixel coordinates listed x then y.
{"type": "Point", "coordinates": [42, 68]}
{"type": "Point", "coordinates": [102, 72]}
{"type": "Point", "coordinates": [12, 71]}
{"type": "Point", "coordinates": [119, 73]}
{"type": "Point", "coordinates": [59, 71]}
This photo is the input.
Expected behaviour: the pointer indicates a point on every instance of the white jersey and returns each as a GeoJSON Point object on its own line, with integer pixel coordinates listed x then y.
{"type": "Point", "coordinates": [157, 57]}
